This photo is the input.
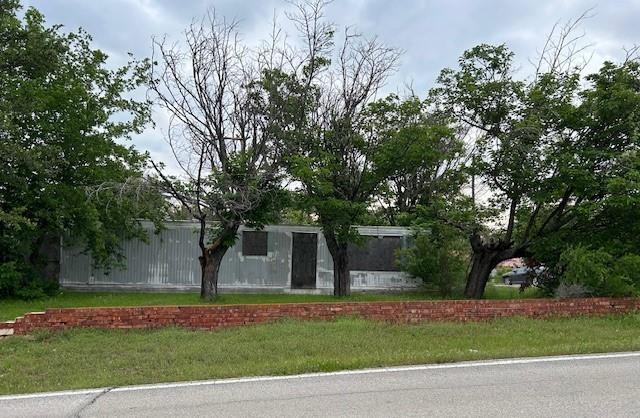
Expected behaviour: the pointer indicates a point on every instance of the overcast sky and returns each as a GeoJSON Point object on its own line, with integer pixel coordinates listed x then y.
{"type": "Point", "coordinates": [432, 33]}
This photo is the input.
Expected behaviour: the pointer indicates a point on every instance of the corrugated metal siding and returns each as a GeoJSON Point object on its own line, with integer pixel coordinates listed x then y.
{"type": "Point", "coordinates": [270, 271]}
{"type": "Point", "coordinates": [170, 261]}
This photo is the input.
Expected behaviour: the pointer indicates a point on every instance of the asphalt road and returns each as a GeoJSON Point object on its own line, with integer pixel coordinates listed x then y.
{"type": "Point", "coordinates": [584, 386]}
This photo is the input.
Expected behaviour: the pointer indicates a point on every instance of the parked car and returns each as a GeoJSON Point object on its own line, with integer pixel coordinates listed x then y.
{"type": "Point", "coordinates": [522, 275]}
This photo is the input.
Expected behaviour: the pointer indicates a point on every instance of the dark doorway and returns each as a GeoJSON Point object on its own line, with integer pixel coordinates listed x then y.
{"type": "Point", "coordinates": [303, 260]}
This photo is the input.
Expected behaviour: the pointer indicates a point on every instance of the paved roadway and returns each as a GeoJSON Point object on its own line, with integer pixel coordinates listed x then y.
{"type": "Point", "coordinates": [571, 386]}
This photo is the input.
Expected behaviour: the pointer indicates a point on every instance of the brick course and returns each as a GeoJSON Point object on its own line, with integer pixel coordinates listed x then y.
{"type": "Point", "coordinates": [220, 316]}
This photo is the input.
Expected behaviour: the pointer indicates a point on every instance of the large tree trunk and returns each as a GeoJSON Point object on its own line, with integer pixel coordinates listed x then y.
{"type": "Point", "coordinates": [45, 257]}
{"type": "Point", "coordinates": [341, 274]}
{"type": "Point", "coordinates": [486, 256]}
{"type": "Point", "coordinates": [211, 259]}
{"type": "Point", "coordinates": [481, 265]}
{"type": "Point", "coordinates": [210, 262]}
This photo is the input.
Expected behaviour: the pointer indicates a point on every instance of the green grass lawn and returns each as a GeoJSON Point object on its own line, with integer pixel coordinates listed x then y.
{"type": "Point", "coordinates": [97, 358]}
{"type": "Point", "coordinates": [10, 309]}
{"type": "Point", "coordinates": [501, 291]}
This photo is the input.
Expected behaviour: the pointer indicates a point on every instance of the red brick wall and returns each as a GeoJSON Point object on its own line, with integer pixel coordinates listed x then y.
{"type": "Point", "coordinates": [6, 328]}
{"type": "Point", "coordinates": [211, 317]}
{"type": "Point", "coordinates": [6, 325]}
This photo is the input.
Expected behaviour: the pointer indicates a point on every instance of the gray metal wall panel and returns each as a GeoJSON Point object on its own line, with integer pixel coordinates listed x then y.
{"type": "Point", "coordinates": [271, 270]}
{"type": "Point", "coordinates": [74, 265]}
{"type": "Point", "coordinates": [325, 265]}
{"type": "Point", "coordinates": [170, 260]}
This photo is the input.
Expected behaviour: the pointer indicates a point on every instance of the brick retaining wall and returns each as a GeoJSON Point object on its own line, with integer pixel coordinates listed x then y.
{"type": "Point", "coordinates": [6, 328]}
{"type": "Point", "coordinates": [212, 317]}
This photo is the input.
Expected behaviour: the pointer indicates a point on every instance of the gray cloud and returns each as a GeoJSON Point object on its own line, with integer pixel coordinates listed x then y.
{"type": "Point", "coordinates": [433, 33]}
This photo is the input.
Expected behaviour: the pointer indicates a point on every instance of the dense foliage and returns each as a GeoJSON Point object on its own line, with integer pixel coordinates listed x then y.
{"type": "Point", "coordinates": [437, 256]}
{"type": "Point", "coordinates": [424, 159]}
{"type": "Point", "coordinates": [335, 156]}
{"type": "Point", "coordinates": [559, 153]}
{"type": "Point", "coordinates": [63, 170]}
{"type": "Point", "coordinates": [582, 271]}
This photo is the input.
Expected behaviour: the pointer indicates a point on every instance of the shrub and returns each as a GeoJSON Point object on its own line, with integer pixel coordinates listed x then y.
{"type": "Point", "coordinates": [586, 267]}
{"type": "Point", "coordinates": [548, 281]}
{"type": "Point", "coordinates": [598, 272]}
{"type": "Point", "coordinates": [628, 269]}
{"type": "Point", "coordinates": [437, 259]}
{"type": "Point", "coordinates": [10, 279]}
{"type": "Point", "coordinates": [24, 283]}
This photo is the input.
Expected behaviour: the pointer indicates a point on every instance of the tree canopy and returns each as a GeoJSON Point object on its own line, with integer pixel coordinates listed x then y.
{"type": "Point", "coordinates": [65, 169]}
{"type": "Point", "coordinates": [230, 110]}
{"type": "Point", "coordinates": [553, 149]}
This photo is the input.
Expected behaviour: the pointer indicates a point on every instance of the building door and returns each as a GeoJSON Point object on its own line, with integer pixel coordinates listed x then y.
{"type": "Point", "coordinates": [303, 260]}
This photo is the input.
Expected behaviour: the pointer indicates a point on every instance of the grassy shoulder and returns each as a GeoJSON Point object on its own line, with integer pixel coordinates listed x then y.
{"type": "Point", "coordinates": [97, 358]}
{"type": "Point", "coordinates": [10, 309]}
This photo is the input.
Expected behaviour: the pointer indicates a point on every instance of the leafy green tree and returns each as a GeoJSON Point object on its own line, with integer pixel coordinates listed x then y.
{"type": "Point", "coordinates": [231, 109]}
{"type": "Point", "coordinates": [334, 156]}
{"type": "Point", "coordinates": [554, 149]}
{"type": "Point", "coordinates": [423, 157]}
{"type": "Point", "coordinates": [609, 223]}
{"type": "Point", "coordinates": [438, 257]}
{"type": "Point", "coordinates": [426, 164]}
{"type": "Point", "coordinates": [63, 168]}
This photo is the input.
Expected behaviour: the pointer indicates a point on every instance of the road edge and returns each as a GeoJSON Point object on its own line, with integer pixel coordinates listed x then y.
{"type": "Point", "coordinates": [391, 369]}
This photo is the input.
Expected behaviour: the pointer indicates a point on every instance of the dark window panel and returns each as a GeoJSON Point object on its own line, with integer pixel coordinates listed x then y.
{"type": "Point", "coordinates": [375, 254]}
{"type": "Point", "coordinates": [254, 243]}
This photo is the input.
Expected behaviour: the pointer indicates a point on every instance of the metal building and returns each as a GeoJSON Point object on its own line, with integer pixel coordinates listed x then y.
{"type": "Point", "coordinates": [278, 258]}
